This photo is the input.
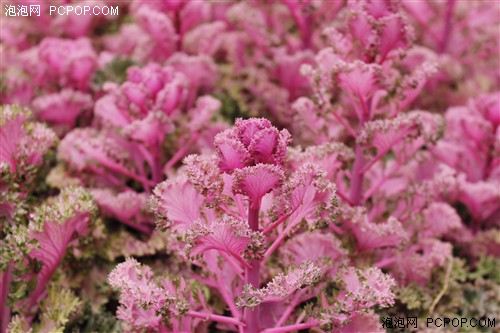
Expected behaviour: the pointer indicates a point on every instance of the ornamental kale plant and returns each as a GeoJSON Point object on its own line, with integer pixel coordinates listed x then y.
{"type": "Point", "coordinates": [248, 166]}
{"type": "Point", "coordinates": [231, 212]}
{"type": "Point", "coordinates": [124, 154]}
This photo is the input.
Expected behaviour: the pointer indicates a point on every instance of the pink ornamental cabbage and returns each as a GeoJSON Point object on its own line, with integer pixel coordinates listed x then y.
{"type": "Point", "coordinates": [76, 69]}
{"type": "Point", "coordinates": [251, 143]}
{"type": "Point", "coordinates": [54, 228]}
{"type": "Point", "coordinates": [260, 206]}
{"type": "Point", "coordinates": [127, 144]}
{"type": "Point", "coordinates": [360, 289]}
{"type": "Point", "coordinates": [162, 30]}
{"type": "Point", "coordinates": [19, 158]}
{"type": "Point", "coordinates": [144, 303]}
{"type": "Point", "coordinates": [359, 92]}
{"type": "Point", "coordinates": [20, 163]}
{"type": "Point", "coordinates": [53, 65]}
{"type": "Point", "coordinates": [464, 34]}
{"type": "Point", "coordinates": [473, 131]}
{"type": "Point", "coordinates": [62, 109]}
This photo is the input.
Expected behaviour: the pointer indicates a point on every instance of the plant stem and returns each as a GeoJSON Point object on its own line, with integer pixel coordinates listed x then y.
{"type": "Point", "coordinates": [252, 275]}
{"type": "Point", "coordinates": [442, 292]}
{"type": "Point", "coordinates": [359, 160]}
{"type": "Point", "coordinates": [217, 318]}
{"type": "Point", "coordinates": [237, 268]}
{"type": "Point", "coordinates": [290, 328]}
{"type": "Point", "coordinates": [344, 123]}
{"type": "Point", "coordinates": [275, 244]}
{"type": "Point", "coordinates": [381, 180]}
{"type": "Point", "coordinates": [279, 221]}
{"type": "Point", "coordinates": [5, 278]}
{"type": "Point", "coordinates": [385, 262]}
{"type": "Point", "coordinates": [227, 211]}
{"type": "Point", "coordinates": [113, 166]}
{"type": "Point", "coordinates": [357, 176]}
{"type": "Point", "coordinates": [344, 197]}
{"type": "Point", "coordinates": [229, 301]}
{"type": "Point", "coordinates": [181, 152]}
{"type": "Point", "coordinates": [177, 22]}
{"type": "Point", "coordinates": [288, 311]}
{"type": "Point", "coordinates": [450, 6]}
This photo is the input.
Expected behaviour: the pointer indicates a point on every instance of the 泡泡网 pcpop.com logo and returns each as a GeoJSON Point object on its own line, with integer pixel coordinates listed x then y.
{"type": "Point", "coordinates": [36, 10]}
{"type": "Point", "coordinates": [461, 322]}
{"type": "Point", "coordinates": [83, 10]}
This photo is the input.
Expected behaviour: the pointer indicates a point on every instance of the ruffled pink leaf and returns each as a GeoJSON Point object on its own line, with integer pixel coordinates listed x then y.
{"type": "Point", "coordinates": [440, 219]}
{"type": "Point", "coordinates": [78, 60]}
{"type": "Point", "coordinates": [246, 129]}
{"type": "Point", "coordinates": [110, 113]}
{"type": "Point", "coordinates": [53, 242]}
{"type": "Point", "coordinates": [81, 146]}
{"type": "Point", "coordinates": [330, 157]}
{"type": "Point", "coordinates": [366, 288]}
{"type": "Point", "coordinates": [289, 74]}
{"type": "Point", "coordinates": [55, 227]}
{"type": "Point", "coordinates": [205, 176]}
{"type": "Point", "coordinates": [359, 80]}
{"type": "Point", "coordinates": [104, 156]}
{"type": "Point", "coordinates": [306, 197]}
{"type": "Point", "coordinates": [230, 235]}
{"type": "Point", "coordinates": [127, 207]}
{"type": "Point", "coordinates": [159, 26]}
{"type": "Point", "coordinates": [323, 249]}
{"type": "Point", "coordinates": [201, 115]}
{"type": "Point", "coordinates": [360, 26]}
{"type": "Point", "coordinates": [250, 142]}
{"type": "Point", "coordinates": [257, 181]}
{"type": "Point", "coordinates": [205, 38]}
{"type": "Point", "coordinates": [144, 303]}
{"type": "Point", "coordinates": [11, 132]}
{"type": "Point", "coordinates": [31, 154]}
{"type": "Point", "coordinates": [360, 290]}
{"type": "Point", "coordinates": [453, 154]}
{"type": "Point", "coordinates": [417, 263]}
{"type": "Point", "coordinates": [177, 204]}
{"type": "Point", "coordinates": [311, 121]}
{"type": "Point", "coordinates": [462, 122]}
{"type": "Point", "coordinates": [62, 108]}
{"type": "Point", "coordinates": [270, 146]}
{"type": "Point", "coordinates": [481, 198]}
{"type": "Point", "coordinates": [263, 144]}
{"type": "Point", "coordinates": [396, 34]}
{"type": "Point", "coordinates": [136, 281]}
{"type": "Point", "coordinates": [281, 286]}
{"type": "Point", "coordinates": [371, 235]}
{"type": "Point", "coordinates": [232, 154]}
{"type": "Point", "coordinates": [18, 155]}
{"type": "Point", "coordinates": [384, 134]}
{"type": "Point", "coordinates": [413, 84]}
{"type": "Point", "coordinates": [150, 130]}
{"type": "Point", "coordinates": [200, 71]}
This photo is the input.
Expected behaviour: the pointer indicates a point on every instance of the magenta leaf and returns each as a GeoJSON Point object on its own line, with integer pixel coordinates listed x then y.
{"type": "Point", "coordinates": [257, 181]}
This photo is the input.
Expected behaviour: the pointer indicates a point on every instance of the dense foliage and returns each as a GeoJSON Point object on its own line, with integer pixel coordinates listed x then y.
{"type": "Point", "coordinates": [244, 166]}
